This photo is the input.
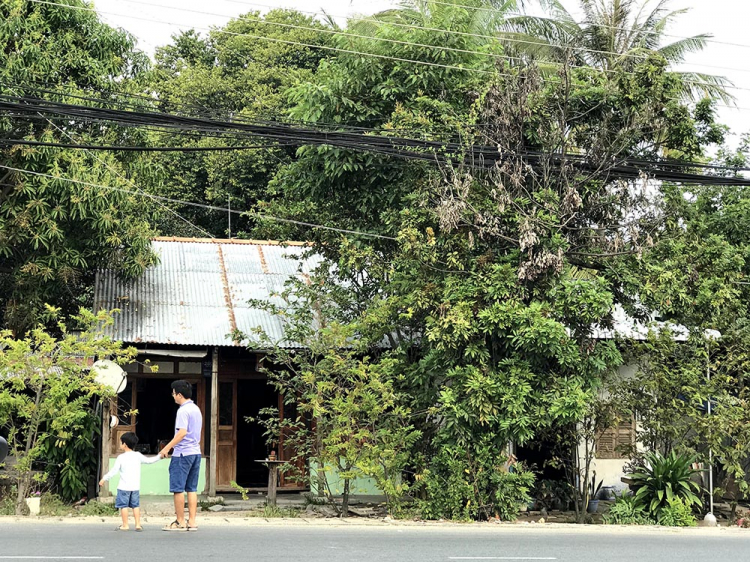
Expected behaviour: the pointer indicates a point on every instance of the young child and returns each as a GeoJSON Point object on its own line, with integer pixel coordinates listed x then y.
{"type": "Point", "coordinates": [128, 466]}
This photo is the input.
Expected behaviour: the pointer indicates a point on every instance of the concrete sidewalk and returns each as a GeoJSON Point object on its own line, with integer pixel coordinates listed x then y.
{"type": "Point", "coordinates": [234, 504]}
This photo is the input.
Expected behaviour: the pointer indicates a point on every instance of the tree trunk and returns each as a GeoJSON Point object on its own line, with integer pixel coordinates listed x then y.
{"type": "Point", "coordinates": [24, 480]}
{"type": "Point", "coordinates": [23, 490]}
{"type": "Point", "coordinates": [345, 498]}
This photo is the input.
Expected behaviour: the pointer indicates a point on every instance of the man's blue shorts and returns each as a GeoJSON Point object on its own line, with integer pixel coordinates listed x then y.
{"type": "Point", "coordinates": [183, 473]}
{"type": "Point", "coordinates": [126, 498]}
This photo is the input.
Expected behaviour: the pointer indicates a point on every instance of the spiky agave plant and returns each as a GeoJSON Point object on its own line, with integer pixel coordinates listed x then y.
{"type": "Point", "coordinates": [663, 478]}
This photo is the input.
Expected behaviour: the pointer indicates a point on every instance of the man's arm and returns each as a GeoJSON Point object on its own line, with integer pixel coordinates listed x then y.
{"type": "Point", "coordinates": [149, 460]}
{"type": "Point", "coordinates": [179, 436]}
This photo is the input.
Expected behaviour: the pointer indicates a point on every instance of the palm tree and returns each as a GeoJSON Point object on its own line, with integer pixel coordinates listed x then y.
{"type": "Point", "coordinates": [612, 35]}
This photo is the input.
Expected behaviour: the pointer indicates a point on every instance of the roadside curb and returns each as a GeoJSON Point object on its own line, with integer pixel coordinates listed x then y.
{"type": "Point", "coordinates": [204, 520]}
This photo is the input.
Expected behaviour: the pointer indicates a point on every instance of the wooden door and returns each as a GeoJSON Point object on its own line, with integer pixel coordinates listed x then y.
{"type": "Point", "coordinates": [227, 439]}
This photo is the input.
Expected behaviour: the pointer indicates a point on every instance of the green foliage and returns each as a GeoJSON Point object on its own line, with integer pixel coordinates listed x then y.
{"type": "Point", "coordinates": [627, 511]}
{"type": "Point", "coordinates": [461, 485]}
{"type": "Point", "coordinates": [54, 234]}
{"type": "Point", "coordinates": [243, 491]}
{"type": "Point", "coordinates": [8, 500]}
{"type": "Point", "coordinates": [71, 463]}
{"type": "Point", "coordinates": [229, 74]}
{"type": "Point", "coordinates": [53, 505]}
{"type": "Point", "coordinates": [677, 513]}
{"type": "Point", "coordinates": [342, 409]}
{"type": "Point", "coordinates": [46, 393]}
{"type": "Point", "coordinates": [663, 479]}
{"type": "Point", "coordinates": [96, 508]}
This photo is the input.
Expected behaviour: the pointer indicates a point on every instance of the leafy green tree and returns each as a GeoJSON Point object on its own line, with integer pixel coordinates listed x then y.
{"type": "Point", "coordinates": [231, 74]}
{"type": "Point", "coordinates": [54, 233]}
{"type": "Point", "coordinates": [490, 292]}
{"type": "Point", "coordinates": [349, 421]}
{"type": "Point", "coordinates": [46, 392]}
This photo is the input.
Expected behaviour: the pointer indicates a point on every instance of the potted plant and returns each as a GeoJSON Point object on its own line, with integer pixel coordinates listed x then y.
{"type": "Point", "coordinates": [594, 488]}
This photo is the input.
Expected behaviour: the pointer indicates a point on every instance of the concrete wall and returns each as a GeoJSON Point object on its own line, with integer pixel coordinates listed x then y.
{"type": "Point", "coordinates": [155, 478]}
{"type": "Point", "coordinates": [610, 471]}
{"type": "Point", "coordinates": [358, 486]}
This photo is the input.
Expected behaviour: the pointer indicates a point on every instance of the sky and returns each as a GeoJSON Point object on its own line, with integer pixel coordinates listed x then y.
{"type": "Point", "coordinates": [153, 22]}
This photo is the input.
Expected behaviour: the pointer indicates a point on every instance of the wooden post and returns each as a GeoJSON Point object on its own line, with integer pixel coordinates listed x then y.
{"type": "Point", "coordinates": [106, 415]}
{"type": "Point", "coordinates": [214, 449]}
{"type": "Point", "coordinates": [273, 474]}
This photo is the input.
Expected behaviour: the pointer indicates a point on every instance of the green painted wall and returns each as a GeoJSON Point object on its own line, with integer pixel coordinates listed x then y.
{"type": "Point", "coordinates": [358, 486]}
{"type": "Point", "coordinates": [155, 478]}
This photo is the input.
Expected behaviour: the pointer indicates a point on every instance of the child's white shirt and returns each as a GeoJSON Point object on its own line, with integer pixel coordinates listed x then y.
{"type": "Point", "coordinates": [128, 465]}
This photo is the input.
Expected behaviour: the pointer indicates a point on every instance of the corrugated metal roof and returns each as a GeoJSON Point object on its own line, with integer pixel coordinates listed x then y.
{"type": "Point", "coordinates": [200, 290]}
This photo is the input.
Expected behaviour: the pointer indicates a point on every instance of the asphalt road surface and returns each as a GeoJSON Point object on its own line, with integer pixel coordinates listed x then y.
{"type": "Point", "coordinates": [341, 543]}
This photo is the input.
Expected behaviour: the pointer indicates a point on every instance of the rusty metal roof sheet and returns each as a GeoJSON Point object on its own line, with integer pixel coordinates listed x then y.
{"type": "Point", "coordinates": [199, 291]}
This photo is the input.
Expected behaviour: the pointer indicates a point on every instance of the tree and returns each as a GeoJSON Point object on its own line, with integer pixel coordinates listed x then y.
{"type": "Point", "coordinates": [56, 226]}
{"type": "Point", "coordinates": [231, 74]}
{"type": "Point", "coordinates": [491, 290]}
{"type": "Point", "coordinates": [613, 34]}
{"type": "Point", "coordinates": [47, 389]}
{"type": "Point", "coordinates": [349, 419]}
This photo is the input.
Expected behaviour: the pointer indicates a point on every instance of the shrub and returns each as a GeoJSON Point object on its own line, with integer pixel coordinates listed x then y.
{"type": "Point", "coordinates": [52, 504]}
{"type": "Point", "coordinates": [97, 508]}
{"type": "Point", "coordinates": [677, 513]}
{"type": "Point", "coordinates": [626, 511]}
{"type": "Point", "coordinates": [662, 479]}
{"type": "Point", "coordinates": [461, 486]}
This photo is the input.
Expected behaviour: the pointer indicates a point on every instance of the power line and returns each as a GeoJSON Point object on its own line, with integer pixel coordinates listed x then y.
{"type": "Point", "coordinates": [461, 33]}
{"type": "Point", "coordinates": [117, 148]}
{"type": "Point", "coordinates": [707, 38]}
{"type": "Point", "coordinates": [494, 56]}
{"type": "Point", "coordinates": [200, 205]}
{"type": "Point", "coordinates": [283, 41]}
{"type": "Point", "coordinates": [355, 52]}
{"type": "Point", "coordinates": [203, 110]}
{"type": "Point", "coordinates": [407, 148]}
{"type": "Point", "coordinates": [117, 173]}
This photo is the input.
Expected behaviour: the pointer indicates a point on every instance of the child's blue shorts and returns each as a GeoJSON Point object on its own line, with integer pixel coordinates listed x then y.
{"type": "Point", "coordinates": [126, 498]}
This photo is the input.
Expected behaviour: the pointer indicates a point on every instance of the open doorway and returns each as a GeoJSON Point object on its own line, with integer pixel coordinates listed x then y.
{"type": "Point", "coordinates": [157, 410]}
{"type": "Point", "coordinates": [252, 396]}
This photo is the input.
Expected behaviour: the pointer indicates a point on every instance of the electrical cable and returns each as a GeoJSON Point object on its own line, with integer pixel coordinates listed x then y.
{"type": "Point", "coordinates": [199, 205]}
{"type": "Point", "coordinates": [414, 149]}
{"type": "Point", "coordinates": [117, 148]}
{"type": "Point", "coordinates": [393, 41]}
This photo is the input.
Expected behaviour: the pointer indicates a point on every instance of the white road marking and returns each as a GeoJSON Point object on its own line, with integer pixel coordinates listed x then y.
{"type": "Point", "coordinates": [51, 557]}
{"type": "Point", "coordinates": [501, 558]}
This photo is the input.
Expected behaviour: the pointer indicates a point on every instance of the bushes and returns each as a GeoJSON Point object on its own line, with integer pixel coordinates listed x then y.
{"type": "Point", "coordinates": [676, 514]}
{"type": "Point", "coordinates": [626, 511]}
{"type": "Point", "coordinates": [459, 485]}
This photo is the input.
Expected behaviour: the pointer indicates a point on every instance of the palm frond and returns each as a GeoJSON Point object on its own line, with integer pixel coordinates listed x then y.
{"type": "Point", "coordinates": [696, 86]}
{"type": "Point", "coordinates": [676, 51]}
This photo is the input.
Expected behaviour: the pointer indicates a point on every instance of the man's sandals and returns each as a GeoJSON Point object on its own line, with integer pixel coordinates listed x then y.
{"type": "Point", "coordinates": [174, 526]}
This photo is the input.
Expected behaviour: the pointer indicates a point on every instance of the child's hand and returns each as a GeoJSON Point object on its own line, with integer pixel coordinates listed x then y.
{"type": "Point", "coordinates": [101, 482]}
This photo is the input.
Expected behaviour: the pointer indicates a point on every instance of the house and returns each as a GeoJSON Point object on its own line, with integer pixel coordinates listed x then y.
{"type": "Point", "coordinates": [183, 315]}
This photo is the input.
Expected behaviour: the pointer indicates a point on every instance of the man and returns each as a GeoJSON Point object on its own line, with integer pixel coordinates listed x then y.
{"type": "Point", "coordinates": [184, 467]}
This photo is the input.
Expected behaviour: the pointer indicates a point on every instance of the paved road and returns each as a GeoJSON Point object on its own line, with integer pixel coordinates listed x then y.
{"type": "Point", "coordinates": [294, 542]}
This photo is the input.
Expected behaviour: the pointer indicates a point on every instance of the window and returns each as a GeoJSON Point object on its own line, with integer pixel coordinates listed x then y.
{"type": "Point", "coordinates": [226, 403]}
{"type": "Point", "coordinates": [190, 367]}
{"type": "Point", "coordinates": [617, 442]}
